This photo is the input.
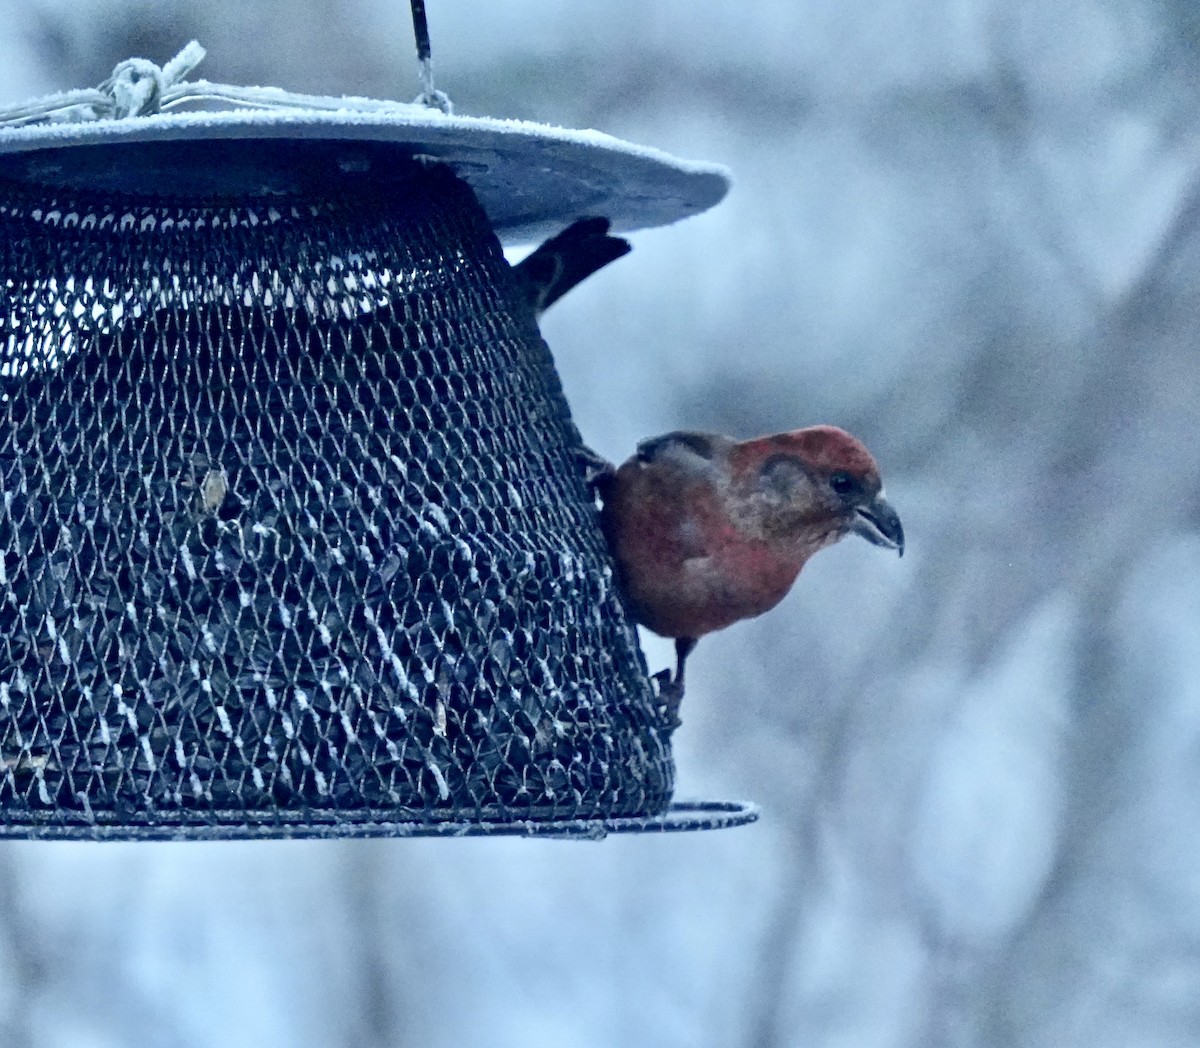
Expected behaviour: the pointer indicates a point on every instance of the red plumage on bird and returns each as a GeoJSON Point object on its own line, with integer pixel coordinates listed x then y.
{"type": "Point", "coordinates": [706, 531]}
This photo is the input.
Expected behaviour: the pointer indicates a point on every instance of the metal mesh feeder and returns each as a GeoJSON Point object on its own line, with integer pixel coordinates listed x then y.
{"type": "Point", "coordinates": [295, 539]}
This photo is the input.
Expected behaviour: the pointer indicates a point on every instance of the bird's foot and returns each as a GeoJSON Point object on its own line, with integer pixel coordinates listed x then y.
{"type": "Point", "coordinates": [597, 470]}
{"type": "Point", "coordinates": [670, 696]}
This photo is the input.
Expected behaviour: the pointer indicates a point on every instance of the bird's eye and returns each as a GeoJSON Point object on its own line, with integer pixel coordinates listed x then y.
{"type": "Point", "coordinates": [844, 484]}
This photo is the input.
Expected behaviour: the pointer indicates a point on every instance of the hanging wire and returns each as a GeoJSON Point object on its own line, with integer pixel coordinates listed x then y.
{"type": "Point", "coordinates": [429, 95]}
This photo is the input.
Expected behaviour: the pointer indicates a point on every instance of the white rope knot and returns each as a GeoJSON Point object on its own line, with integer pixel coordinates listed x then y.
{"type": "Point", "coordinates": [137, 85]}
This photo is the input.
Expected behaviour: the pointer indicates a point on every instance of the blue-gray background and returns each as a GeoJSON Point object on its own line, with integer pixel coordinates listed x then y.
{"type": "Point", "coordinates": [967, 230]}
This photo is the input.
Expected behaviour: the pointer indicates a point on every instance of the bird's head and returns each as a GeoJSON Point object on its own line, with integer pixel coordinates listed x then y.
{"type": "Point", "coordinates": [811, 487]}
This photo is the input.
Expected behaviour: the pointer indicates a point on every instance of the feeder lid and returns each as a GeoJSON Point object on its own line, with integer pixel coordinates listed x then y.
{"type": "Point", "coordinates": [531, 179]}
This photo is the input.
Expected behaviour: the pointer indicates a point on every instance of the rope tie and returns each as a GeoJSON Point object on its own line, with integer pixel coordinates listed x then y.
{"type": "Point", "coordinates": [139, 87]}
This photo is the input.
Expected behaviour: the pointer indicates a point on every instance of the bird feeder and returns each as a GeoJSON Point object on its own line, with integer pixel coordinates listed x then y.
{"type": "Point", "coordinates": [295, 540]}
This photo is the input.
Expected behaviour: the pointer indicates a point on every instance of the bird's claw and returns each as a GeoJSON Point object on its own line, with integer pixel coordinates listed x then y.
{"type": "Point", "coordinates": [670, 696]}
{"type": "Point", "coordinates": [596, 468]}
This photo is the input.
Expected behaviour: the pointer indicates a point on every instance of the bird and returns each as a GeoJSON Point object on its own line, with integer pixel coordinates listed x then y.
{"type": "Point", "coordinates": [706, 530]}
{"type": "Point", "coordinates": [565, 260]}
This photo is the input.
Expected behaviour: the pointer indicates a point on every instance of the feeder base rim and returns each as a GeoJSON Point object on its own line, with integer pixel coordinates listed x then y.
{"type": "Point", "coordinates": [680, 816]}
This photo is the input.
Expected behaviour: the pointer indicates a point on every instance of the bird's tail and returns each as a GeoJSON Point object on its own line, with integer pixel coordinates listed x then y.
{"type": "Point", "coordinates": [566, 259]}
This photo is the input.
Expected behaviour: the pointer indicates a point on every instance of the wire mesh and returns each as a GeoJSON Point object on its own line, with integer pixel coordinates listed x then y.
{"type": "Point", "coordinates": [293, 536]}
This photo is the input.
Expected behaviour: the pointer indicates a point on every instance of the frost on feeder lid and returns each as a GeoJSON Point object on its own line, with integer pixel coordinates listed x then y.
{"type": "Point", "coordinates": [294, 536]}
{"type": "Point", "coordinates": [531, 179]}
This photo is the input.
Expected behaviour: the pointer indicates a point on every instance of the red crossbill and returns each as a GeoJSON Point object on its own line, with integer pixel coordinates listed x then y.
{"type": "Point", "coordinates": [706, 530]}
{"type": "Point", "coordinates": [566, 259]}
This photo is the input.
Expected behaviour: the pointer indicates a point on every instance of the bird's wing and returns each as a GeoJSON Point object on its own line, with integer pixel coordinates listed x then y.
{"type": "Point", "coordinates": [688, 473]}
{"type": "Point", "coordinates": [691, 452]}
{"type": "Point", "coordinates": [566, 259]}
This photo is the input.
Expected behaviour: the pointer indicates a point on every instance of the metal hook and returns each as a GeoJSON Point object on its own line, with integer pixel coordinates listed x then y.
{"type": "Point", "coordinates": [429, 95]}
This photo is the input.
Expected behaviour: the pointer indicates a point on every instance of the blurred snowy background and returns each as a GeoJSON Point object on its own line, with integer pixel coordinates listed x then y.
{"type": "Point", "coordinates": [967, 230]}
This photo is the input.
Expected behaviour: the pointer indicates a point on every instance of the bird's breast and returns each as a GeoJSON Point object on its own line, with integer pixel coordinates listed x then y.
{"type": "Point", "coordinates": [739, 580]}
{"type": "Point", "coordinates": [685, 568]}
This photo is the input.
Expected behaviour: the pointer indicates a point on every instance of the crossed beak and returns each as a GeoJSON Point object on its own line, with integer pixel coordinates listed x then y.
{"type": "Point", "coordinates": [878, 523]}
